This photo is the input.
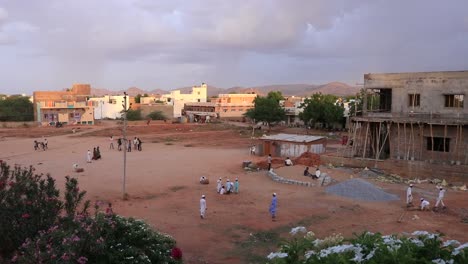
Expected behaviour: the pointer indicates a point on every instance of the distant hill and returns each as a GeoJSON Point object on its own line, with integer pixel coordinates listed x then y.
{"type": "Point", "coordinates": [336, 88]}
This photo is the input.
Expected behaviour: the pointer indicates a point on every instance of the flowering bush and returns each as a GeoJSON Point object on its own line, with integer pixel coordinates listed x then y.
{"type": "Point", "coordinates": [103, 239]}
{"type": "Point", "coordinates": [37, 227]}
{"type": "Point", "coordinates": [28, 203]}
{"type": "Point", "coordinates": [419, 247]}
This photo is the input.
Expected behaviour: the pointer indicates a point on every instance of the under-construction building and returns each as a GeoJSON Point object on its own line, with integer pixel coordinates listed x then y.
{"type": "Point", "coordinates": [412, 116]}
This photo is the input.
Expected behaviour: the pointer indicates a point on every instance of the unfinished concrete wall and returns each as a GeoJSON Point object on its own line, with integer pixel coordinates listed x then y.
{"type": "Point", "coordinates": [168, 110]}
{"type": "Point", "coordinates": [432, 86]}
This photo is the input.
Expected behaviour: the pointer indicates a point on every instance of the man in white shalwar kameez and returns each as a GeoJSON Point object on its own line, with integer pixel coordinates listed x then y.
{"type": "Point", "coordinates": [219, 185]}
{"type": "Point", "coordinates": [202, 207]}
{"type": "Point", "coordinates": [441, 197]}
{"type": "Point", "coordinates": [409, 195]}
{"type": "Point", "coordinates": [88, 156]}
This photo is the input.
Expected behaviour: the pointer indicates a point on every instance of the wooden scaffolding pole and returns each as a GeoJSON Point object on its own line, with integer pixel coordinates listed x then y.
{"type": "Point", "coordinates": [365, 141]}
{"type": "Point", "coordinates": [421, 132]}
{"type": "Point", "coordinates": [405, 145]}
{"type": "Point", "coordinates": [377, 152]}
{"type": "Point", "coordinates": [456, 144]}
{"type": "Point", "coordinates": [412, 141]}
{"type": "Point", "coordinates": [398, 145]}
{"type": "Point", "coordinates": [383, 142]}
{"type": "Point", "coordinates": [432, 142]}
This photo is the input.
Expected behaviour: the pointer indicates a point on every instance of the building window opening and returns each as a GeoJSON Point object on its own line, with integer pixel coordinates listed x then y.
{"type": "Point", "coordinates": [414, 100]}
{"type": "Point", "coordinates": [440, 144]}
{"type": "Point", "coordinates": [380, 100]}
{"type": "Point", "coordinates": [454, 100]}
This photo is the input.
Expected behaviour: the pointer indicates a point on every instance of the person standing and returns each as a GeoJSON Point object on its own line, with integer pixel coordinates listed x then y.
{"type": "Point", "coordinates": [45, 144]}
{"type": "Point", "coordinates": [273, 205]}
{"type": "Point", "coordinates": [98, 153]}
{"type": "Point", "coordinates": [441, 197]}
{"type": "Point", "coordinates": [119, 144]}
{"type": "Point", "coordinates": [236, 186]}
{"type": "Point", "coordinates": [135, 143]}
{"type": "Point", "coordinates": [111, 139]}
{"type": "Point", "coordinates": [228, 187]}
{"type": "Point", "coordinates": [88, 157]}
{"type": "Point", "coordinates": [139, 144]}
{"type": "Point", "coordinates": [269, 161]}
{"type": "Point", "coordinates": [219, 185]}
{"type": "Point", "coordinates": [409, 196]}
{"type": "Point", "coordinates": [202, 207]}
{"type": "Point", "coordinates": [129, 143]}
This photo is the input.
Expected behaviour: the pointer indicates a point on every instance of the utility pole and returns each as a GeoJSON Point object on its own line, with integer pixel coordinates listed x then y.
{"type": "Point", "coordinates": [124, 131]}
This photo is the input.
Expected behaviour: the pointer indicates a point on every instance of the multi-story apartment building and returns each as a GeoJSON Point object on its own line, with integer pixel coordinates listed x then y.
{"type": "Point", "coordinates": [225, 106]}
{"type": "Point", "coordinates": [419, 116]}
{"type": "Point", "coordinates": [68, 107]}
{"type": "Point", "coordinates": [292, 107]}
{"type": "Point", "coordinates": [109, 106]}
{"type": "Point", "coordinates": [177, 99]}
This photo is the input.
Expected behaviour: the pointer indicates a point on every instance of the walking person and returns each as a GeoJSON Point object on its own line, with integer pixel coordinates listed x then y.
{"type": "Point", "coordinates": [88, 157]}
{"type": "Point", "coordinates": [202, 207]}
{"type": "Point", "coordinates": [45, 144]}
{"type": "Point", "coordinates": [236, 186]}
{"type": "Point", "coordinates": [440, 198]}
{"type": "Point", "coordinates": [98, 153]}
{"type": "Point", "coordinates": [139, 144]}
{"type": "Point", "coordinates": [273, 205]}
{"type": "Point", "coordinates": [111, 139]}
{"type": "Point", "coordinates": [269, 161]}
{"type": "Point", "coordinates": [119, 144]}
{"type": "Point", "coordinates": [409, 196]}
{"type": "Point", "coordinates": [129, 142]}
{"type": "Point", "coordinates": [135, 143]}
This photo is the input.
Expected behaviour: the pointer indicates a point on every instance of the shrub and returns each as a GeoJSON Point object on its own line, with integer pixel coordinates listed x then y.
{"type": "Point", "coordinates": [133, 115]}
{"type": "Point", "coordinates": [103, 239]}
{"type": "Point", "coordinates": [419, 247]}
{"type": "Point", "coordinates": [157, 115]}
{"type": "Point", "coordinates": [28, 203]}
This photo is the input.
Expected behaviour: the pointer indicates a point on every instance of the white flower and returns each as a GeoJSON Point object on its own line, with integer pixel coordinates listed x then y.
{"type": "Point", "coordinates": [425, 234]}
{"type": "Point", "coordinates": [335, 249]}
{"type": "Point", "coordinates": [317, 242]}
{"type": "Point", "coordinates": [277, 255]}
{"type": "Point", "coordinates": [441, 261]}
{"type": "Point", "coordinates": [298, 229]}
{"type": "Point", "coordinates": [309, 253]}
{"type": "Point", "coordinates": [417, 242]}
{"type": "Point", "coordinates": [457, 250]}
{"type": "Point", "coordinates": [392, 242]}
{"type": "Point", "coordinates": [450, 243]}
{"type": "Point", "coordinates": [370, 255]}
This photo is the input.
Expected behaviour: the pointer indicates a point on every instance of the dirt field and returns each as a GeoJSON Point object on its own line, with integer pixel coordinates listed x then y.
{"type": "Point", "coordinates": [162, 182]}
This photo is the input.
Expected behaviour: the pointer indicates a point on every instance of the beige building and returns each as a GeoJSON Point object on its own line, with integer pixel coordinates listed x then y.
{"type": "Point", "coordinates": [420, 116]}
{"type": "Point", "coordinates": [225, 106]}
{"type": "Point", "coordinates": [68, 107]}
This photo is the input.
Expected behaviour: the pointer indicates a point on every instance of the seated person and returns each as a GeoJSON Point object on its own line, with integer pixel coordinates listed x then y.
{"type": "Point", "coordinates": [317, 173]}
{"type": "Point", "coordinates": [306, 172]}
{"type": "Point", "coordinates": [288, 162]}
{"type": "Point", "coordinates": [222, 191]}
{"type": "Point", "coordinates": [204, 180]}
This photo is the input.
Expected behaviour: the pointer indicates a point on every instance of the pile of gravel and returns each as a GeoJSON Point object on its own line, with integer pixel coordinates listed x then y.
{"type": "Point", "coordinates": [360, 190]}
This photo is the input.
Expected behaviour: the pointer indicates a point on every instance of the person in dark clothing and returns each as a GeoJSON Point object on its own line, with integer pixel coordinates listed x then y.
{"type": "Point", "coordinates": [139, 144]}
{"type": "Point", "coordinates": [98, 153]}
{"type": "Point", "coordinates": [306, 172]}
{"type": "Point", "coordinates": [94, 154]}
{"type": "Point", "coordinates": [119, 144]}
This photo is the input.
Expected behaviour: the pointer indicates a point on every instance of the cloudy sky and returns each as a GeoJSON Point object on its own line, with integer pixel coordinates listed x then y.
{"type": "Point", "coordinates": [167, 44]}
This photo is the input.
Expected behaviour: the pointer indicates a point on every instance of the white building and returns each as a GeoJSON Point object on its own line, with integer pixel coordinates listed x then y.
{"type": "Point", "coordinates": [177, 99]}
{"type": "Point", "coordinates": [109, 106]}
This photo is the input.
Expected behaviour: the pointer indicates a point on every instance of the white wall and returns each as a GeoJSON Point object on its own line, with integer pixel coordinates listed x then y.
{"type": "Point", "coordinates": [108, 106]}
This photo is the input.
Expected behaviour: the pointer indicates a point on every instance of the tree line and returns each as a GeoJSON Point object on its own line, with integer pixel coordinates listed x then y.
{"type": "Point", "coordinates": [16, 108]}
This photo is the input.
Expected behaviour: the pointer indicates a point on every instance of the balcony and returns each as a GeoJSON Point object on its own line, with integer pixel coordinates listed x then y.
{"type": "Point", "coordinates": [423, 117]}
{"type": "Point", "coordinates": [62, 105]}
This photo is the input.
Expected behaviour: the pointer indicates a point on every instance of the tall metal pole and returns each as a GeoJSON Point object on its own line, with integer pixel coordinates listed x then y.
{"type": "Point", "coordinates": [124, 194]}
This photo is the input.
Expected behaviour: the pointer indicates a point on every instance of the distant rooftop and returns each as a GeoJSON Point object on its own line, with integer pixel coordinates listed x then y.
{"type": "Point", "coordinates": [292, 138]}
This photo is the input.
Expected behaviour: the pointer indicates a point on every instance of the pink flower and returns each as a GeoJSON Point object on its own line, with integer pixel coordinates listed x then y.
{"type": "Point", "coordinates": [75, 238]}
{"type": "Point", "coordinates": [53, 256]}
{"type": "Point", "coordinates": [25, 215]}
{"type": "Point", "coordinates": [15, 258]}
{"type": "Point", "coordinates": [11, 184]}
{"type": "Point", "coordinates": [65, 256]}
{"type": "Point", "coordinates": [82, 260]}
{"type": "Point", "coordinates": [176, 253]}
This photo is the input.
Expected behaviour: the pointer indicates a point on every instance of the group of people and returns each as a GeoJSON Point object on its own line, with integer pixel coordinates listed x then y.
{"type": "Point", "coordinates": [136, 142]}
{"type": "Point", "coordinates": [229, 187]}
{"type": "Point", "coordinates": [41, 145]}
{"type": "Point", "coordinates": [95, 156]}
{"type": "Point", "coordinates": [424, 204]}
{"type": "Point", "coordinates": [314, 176]}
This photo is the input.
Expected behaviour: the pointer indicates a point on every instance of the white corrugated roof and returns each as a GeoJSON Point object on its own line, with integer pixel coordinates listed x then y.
{"type": "Point", "coordinates": [292, 138]}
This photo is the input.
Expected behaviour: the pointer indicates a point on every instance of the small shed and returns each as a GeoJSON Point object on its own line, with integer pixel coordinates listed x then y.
{"type": "Point", "coordinates": [292, 145]}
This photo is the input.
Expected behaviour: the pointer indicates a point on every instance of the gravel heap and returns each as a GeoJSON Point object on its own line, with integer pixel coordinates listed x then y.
{"type": "Point", "coordinates": [360, 190]}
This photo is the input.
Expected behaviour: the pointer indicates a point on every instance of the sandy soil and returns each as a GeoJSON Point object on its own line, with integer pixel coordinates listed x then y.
{"type": "Point", "coordinates": [162, 182]}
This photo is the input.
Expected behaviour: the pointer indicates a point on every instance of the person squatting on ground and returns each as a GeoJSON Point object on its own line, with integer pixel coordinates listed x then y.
{"type": "Point", "coordinates": [269, 161]}
{"type": "Point", "coordinates": [317, 173]}
{"type": "Point", "coordinates": [441, 197]}
{"type": "Point", "coordinates": [306, 172]}
{"type": "Point", "coordinates": [288, 162]}
{"type": "Point", "coordinates": [424, 204]}
{"type": "Point", "coordinates": [409, 195]}
{"type": "Point", "coordinates": [223, 190]}
{"type": "Point", "coordinates": [273, 205]}
{"type": "Point", "coordinates": [202, 207]}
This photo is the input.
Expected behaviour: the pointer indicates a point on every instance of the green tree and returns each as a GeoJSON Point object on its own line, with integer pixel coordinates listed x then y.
{"type": "Point", "coordinates": [16, 108]}
{"type": "Point", "coordinates": [137, 98]}
{"type": "Point", "coordinates": [157, 115]}
{"type": "Point", "coordinates": [266, 110]}
{"type": "Point", "coordinates": [133, 115]}
{"type": "Point", "coordinates": [277, 95]}
{"type": "Point", "coordinates": [320, 108]}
